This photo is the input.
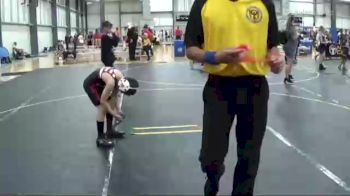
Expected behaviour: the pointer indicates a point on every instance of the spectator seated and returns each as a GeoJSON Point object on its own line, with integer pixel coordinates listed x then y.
{"type": "Point", "coordinates": [59, 55]}
{"type": "Point", "coordinates": [17, 53]}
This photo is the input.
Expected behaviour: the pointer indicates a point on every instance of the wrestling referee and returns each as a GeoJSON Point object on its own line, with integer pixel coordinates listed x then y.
{"type": "Point", "coordinates": [234, 88]}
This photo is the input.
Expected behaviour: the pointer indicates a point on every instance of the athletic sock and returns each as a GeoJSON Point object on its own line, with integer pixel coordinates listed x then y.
{"type": "Point", "coordinates": [100, 126]}
{"type": "Point", "coordinates": [109, 119]}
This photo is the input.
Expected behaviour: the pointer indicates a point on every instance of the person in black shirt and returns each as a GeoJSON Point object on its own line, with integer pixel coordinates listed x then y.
{"type": "Point", "coordinates": [108, 41]}
{"type": "Point", "coordinates": [132, 41]}
{"type": "Point", "coordinates": [71, 44]}
{"type": "Point", "coordinates": [90, 39]}
{"type": "Point", "coordinates": [67, 40]}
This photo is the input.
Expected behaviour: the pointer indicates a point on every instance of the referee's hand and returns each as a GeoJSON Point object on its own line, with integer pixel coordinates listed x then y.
{"type": "Point", "coordinates": [275, 60]}
{"type": "Point", "coordinates": [230, 55]}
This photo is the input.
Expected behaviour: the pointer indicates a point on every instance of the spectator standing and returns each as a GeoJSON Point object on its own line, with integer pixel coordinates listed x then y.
{"type": "Point", "coordinates": [178, 33]}
{"type": "Point", "coordinates": [147, 47]}
{"type": "Point", "coordinates": [132, 42]}
{"type": "Point", "coordinates": [166, 35]}
{"type": "Point", "coordinates": [90, 39]}
{"type": "Point", "coordinates": [67, 40]}
{"type": "Point", "coordinates": [321, 40]}
{"type": "Point", "coordinates": [290, 49]}
{"type": "Point", "coordinates": [98, 37]}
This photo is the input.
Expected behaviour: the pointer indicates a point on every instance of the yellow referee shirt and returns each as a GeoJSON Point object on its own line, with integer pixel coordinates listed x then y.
{"type": "Point", "coordinates": [218, 24]}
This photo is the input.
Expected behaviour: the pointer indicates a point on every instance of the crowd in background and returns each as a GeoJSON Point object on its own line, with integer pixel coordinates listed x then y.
{"type": "Point", "coordinates": [321, 40]}
{"type": "Point", "coordinates": [146, 39]}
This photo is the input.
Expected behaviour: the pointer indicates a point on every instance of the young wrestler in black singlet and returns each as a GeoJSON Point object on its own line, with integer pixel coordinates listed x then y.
{"type": "Point", "coordinates": [101, 86]}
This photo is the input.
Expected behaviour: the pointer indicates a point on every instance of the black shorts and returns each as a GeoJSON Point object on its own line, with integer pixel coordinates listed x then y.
{"type": "Point", "coordinates": [322, 48]}
{"type": "Point", "coordinates": [94, 92]}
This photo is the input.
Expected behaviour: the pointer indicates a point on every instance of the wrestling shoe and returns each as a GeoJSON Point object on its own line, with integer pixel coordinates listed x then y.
{"type": "Point", "coordinates": [115, 134]}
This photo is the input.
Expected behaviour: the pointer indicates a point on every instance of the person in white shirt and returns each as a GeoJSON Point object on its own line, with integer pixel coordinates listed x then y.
{"type": "Point", "coordinates": [321, 44]}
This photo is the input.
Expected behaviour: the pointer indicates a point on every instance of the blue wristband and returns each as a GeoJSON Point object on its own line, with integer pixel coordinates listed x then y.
{"type": "Point", "coordinates": [209, 57]}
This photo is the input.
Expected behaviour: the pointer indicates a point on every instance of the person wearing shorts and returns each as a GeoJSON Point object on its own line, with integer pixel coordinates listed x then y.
{"type": "Point", "coordinates": [345, 52]}
{"type": "Point", "coordinates": [101, 86]}
{"type": "Point", "coordinates": [321, 40]}
{"type": "Point", "coordinates": [290, 49]}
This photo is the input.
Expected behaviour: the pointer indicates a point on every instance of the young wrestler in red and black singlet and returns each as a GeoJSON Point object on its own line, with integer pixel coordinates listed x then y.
{"type": "Point", "coordinates": [101, 86]}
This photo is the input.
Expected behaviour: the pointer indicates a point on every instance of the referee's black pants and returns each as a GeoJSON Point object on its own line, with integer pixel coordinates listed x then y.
{"type": "Point", "coordinates": [224, 99]}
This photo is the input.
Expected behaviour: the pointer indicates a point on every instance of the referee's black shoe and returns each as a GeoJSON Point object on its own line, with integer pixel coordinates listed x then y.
{"type": "Point", "coordinates": [211, 187]}
{"type": "Point", "coordinates": [104, 142]}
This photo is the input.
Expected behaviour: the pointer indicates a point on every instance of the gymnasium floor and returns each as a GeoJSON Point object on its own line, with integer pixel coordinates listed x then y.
{"type": "Point", "coordinates": [47, 137]}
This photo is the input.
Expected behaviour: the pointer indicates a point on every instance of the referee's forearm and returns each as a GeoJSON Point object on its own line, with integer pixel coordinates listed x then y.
{"type": "Point", "coordinates": [195, 53]}
{"type": "Point", "coordinates": [273, 49]}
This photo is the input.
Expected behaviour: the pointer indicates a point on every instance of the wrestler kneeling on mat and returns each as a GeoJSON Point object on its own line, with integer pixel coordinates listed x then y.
{"type": "Point", "coordinates": [102, 87]}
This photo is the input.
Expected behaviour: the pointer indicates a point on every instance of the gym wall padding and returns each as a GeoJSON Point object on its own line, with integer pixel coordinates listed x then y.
{"type": "Point", "coordinates": [323, 21]}
{"type": "Point", "coordinates": [43, 13]}
{"type": "Point", "coordinates": [61, 33]}
{"type": "Point", "coordinates": [112, 15]}
{"type": "Point", "coordinates": [301, 7]}
{"type": "Point", "coordinates": [72, 4]}
{"type": "Point", "coordinates": [343, 16]}
{"type": "Point", "coordinates": [16, 33]}
{"type": "Point", "coordinates": [73, 31]}
{"type": "Point", "coordinates": [93, 22]}
{"type": "Point", "coordinates": [323, 8]}
{"type": "Point", "coordinates": [161, 5]}
{"type": "Point", "coordinates": [183, 6]}
{"type": "Point", "coordinates": [93, 16]}
{"type": "Point", "coordinates": [131, 6]}
{"type": "Point", "coordinates": [162, 19]}
{"type": "Point", "coordinates": [114, 19]}
{"type": "Point", "coordinates": [343, 23]}
{"type": "Point", "coordinates": [134, 19]}
{"type": "Point", "coordinates": [12, 11]}
{"type": "Point", "coordinates": [73, 19]}
{"type": "Point", "coordinates": [61, 17]}
{"type": "Point", "coordinates": [44, 37]}
{"type": "Point", "coordinates": [308, 21]}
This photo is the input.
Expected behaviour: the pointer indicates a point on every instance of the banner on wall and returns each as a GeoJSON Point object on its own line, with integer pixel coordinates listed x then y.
{"type": "Point", "coordinates": [182, 18]}
{"type": "Point", "coordinates": [333, 50]}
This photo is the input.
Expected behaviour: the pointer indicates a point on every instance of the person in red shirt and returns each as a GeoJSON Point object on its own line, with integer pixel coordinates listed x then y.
{"type": "Point", "coordinates": [178, 33]}
{"type": "Point", "coordinates": [98, 37]}
{"type": "Point", "coordinates": [149, 32]}
{"type": "Point", "coordinates": [150, 36]}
